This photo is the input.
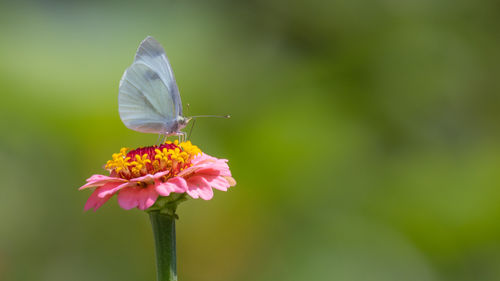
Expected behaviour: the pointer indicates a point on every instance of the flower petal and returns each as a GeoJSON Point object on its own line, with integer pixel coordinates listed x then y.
{"type": "Point", "coordinates": [149, 178]}
{"type": "Point", "coordinates": [206, 162]}
{"type": "Point", "coordinates": [112, 188]}
{"type": "Point", "coordinates": [127, 198]}
{"type": "Point", "coordinates": [146, 179]}
{"type": "Point", "coordinates": [198, 187]}
{"type": "Point", "coordinates": [160, 174]}
{"type": "Point", "coordinates": [139, 197]}
{"type": "Point", "coordinates": [99, 180]}
{"type": "Point", "coordinates": [208, 171]}
{"type": "Point", "coordinates": [230, 180]}
{"type": "Point", "coordinates": [222, 166]}
{"type": "Point", "coordinates": [94, 201]}
{"type": "Point", "coordinates": [147, 197]}
{"type": "Point", "coordinates": [219, 183]}
{"type": "Point", "coordinates": [193, 169]}
{"type": "Point", "coordinates": [202, 157]}
{"type": "Point", "coordinates": [177, 185]}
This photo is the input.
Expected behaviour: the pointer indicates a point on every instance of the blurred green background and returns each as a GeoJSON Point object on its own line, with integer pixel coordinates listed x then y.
{"type": "Point", "coordinates": [364, 138]}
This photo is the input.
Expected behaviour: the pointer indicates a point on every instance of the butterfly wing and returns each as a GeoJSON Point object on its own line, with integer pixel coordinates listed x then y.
{"type": "Point", "coordinates": [148, 98]}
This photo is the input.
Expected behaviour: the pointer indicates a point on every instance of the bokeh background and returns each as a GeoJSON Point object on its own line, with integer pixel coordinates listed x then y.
{"type": "Point", "coordinates": [364, 139]}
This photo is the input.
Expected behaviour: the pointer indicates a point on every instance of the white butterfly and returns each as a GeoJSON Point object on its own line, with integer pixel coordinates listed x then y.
{"type": "Point", "coordinates": [148, 97]}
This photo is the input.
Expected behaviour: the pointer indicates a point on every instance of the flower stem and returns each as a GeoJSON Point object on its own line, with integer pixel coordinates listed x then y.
{"type": "Point", "coordinates": [164, 235]}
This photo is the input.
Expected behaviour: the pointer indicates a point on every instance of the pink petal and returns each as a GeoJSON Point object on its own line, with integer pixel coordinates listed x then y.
{"type": "Point", "coordinates": [112, 188]}
{"type": "Point", "coordinates": [160, 174]}
{"type": "Point", "coordinates": [222, 167]}
{"type": "Point", "coordinates": [94, 201]}
{"type": "Point", "coordinates": [127, 198]}
{"type": "Point", "coordinates": [207, 162]}
{"type": "Point", "coordinates": [192, 169]}
{"type": "Point", "coordinates": [177, 185]}
{"type": "Point", "coordinates": [147, 197]}
{"type": "Point", "coordinates": [208, 171]}
{"type": "Point", "coordinates": [198, 187]}
{"type": "Point", "coordinates": [219, 183]}
{"type": "Point", "coordinates": [98, 180]}
{"type": "Point", "coordinates": [216, 178]}
{"type": "Point", "coordinates": [202, 157]}
{"type": "Point", "coordinates": [147, 179]}
{"type": "Point", "coordinates": [94, 178]}
{"type": "Point", "coordinates": [139, 197]}
{"type": "Point", "coordinates": [150, 178]}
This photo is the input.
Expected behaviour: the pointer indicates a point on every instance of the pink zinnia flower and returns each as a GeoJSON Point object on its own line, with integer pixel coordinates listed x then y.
{"type": "Point", "coordinates": [143, 175]}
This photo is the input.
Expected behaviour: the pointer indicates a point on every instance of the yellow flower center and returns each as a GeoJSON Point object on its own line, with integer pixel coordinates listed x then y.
{"type": "Point", "coordinates": [170, 156]}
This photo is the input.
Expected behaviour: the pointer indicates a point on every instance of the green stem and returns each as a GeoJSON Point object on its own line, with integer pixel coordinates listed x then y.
{"type": "Point", "coordinates": [164, 234]}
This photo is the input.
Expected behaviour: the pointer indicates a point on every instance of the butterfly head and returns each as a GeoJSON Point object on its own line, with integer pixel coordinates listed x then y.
{"type": "Point", "coordinates": [183, 121]}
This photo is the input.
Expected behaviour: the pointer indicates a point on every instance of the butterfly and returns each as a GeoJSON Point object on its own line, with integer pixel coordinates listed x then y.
{"type": "Point", "coordinates": [148, 96]}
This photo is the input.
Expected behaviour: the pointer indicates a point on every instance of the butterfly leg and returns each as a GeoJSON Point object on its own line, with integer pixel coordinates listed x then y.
{"type": "Point", "coordinates": [182, 136]}
{"type": "Point", "coordinates": [158, 140]}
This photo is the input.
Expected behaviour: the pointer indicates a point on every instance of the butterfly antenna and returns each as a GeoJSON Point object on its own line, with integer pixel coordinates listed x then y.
{"type": "Point", "coordinates": [216, 116]}
{"type": "Point", "coordinates": [191, 130]}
